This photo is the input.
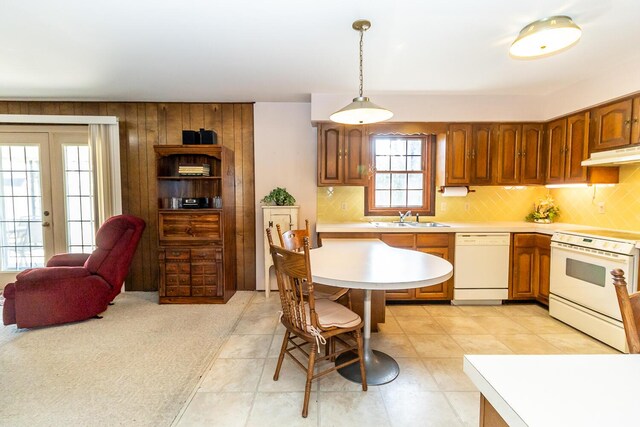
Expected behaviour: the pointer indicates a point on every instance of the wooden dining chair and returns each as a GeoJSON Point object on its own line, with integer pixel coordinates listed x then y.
{"type": "Point", "coordinates": [630, 310]}
{"type": "Point", "coordinates": [293, 240]}
{"type": "Point", "coordinates": [309, 321]}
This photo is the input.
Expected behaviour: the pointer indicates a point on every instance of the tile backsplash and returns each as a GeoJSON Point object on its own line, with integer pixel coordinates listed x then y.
{"type": "Point", "coordinates": [621, 202]}
{"type": "Point", "coordinates": [578, 205]}
{"type": "Point", "coordinates": [346, 204]}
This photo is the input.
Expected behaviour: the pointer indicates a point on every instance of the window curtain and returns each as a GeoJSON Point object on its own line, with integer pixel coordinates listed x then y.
{"type": "Point", "coordinates": [104, 144]}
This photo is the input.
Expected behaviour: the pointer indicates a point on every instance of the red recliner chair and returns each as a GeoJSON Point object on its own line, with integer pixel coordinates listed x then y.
{"type": "Point", "coordinates": [75, 287]}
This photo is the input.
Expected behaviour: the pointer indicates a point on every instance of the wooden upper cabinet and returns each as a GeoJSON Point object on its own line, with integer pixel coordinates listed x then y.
{"type": "Point", "coordinates": [567, 145]}
{"type": "Point", "coordinates": [577, 148]}
{"type": "Point", "coordinates": [469, 151]}
{"type": "Point", "coordinates": [556, 151]}
{"type": "Point", "coordinates": [356, 156]}
{"type": "Point", "coordinates": [458, 155]}
{"type": "Point", "coordinates": [330, 165]}
{"type": "Point", "coordinates": [611, 126]}
{"type": "Point", "coordinates": [635, 121]}
{"type": "Point", "coordinates": [343, 155]}
{"type": "Point", "coordinates": [509, 146]}
{"type": "Point", "coordinates": [531, 154]}
{"type": "Point", "coordinates": [482, 148]}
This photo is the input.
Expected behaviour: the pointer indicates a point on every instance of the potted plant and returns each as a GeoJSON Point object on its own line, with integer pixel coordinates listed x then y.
{"type": "Point", "coordinates": [279, 197]}
{"type": "Point", "coordinates": [544, 212]}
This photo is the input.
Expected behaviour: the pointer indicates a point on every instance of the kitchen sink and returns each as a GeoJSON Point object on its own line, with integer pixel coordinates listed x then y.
{"type": "Point", "coordinates": [391, 224]}
{"type": "Point", "coordinates": [407, 224]}
{"type": "Point", "coordinates": [428, 224]}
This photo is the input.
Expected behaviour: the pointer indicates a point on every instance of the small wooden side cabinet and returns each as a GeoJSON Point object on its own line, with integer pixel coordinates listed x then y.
{"type": "Point", "coordinates": [287, 218]}
{"type": "Point", "coordinates": [196, 237]}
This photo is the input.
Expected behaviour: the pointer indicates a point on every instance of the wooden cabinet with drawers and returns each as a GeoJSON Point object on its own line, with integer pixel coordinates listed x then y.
{"type": "Point", "coordinates": [196, 245]}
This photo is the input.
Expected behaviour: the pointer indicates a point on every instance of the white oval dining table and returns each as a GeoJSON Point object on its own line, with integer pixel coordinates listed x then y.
{"type": "Point", "coordinates": [370, 264]}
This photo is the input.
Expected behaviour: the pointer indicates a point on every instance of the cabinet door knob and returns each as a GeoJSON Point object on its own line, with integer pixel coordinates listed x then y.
{"type": "Point", "coordinates": [270, 224]}
{"type": "Point", "coordinates": [627, 122]}
{"type": "Point", "coordinates": [524, 154]}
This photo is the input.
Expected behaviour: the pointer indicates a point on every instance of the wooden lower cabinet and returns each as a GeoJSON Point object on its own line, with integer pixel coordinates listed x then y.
{"type": "Point", "coordinates": [190, 272]}
{"type": "Point", "coordinates": [530, 267]}
{"type": "Point", "coordinates": [438, 244]}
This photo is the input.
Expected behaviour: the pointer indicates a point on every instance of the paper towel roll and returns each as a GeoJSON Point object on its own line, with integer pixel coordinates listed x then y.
{"type": "Point", "coordinates": [455, 191]}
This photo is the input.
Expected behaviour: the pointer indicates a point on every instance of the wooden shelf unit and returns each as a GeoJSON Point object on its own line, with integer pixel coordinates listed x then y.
{"type": "Point", "coordinates": [196, 246]}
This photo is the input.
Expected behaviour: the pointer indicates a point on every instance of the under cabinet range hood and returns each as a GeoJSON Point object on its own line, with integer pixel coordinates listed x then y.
{"type": "Point", "coordinates": [614, 157]}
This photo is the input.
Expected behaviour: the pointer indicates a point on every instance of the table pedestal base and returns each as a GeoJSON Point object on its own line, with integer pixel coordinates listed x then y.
{"type": "Point", "coordinates": [380, 367]}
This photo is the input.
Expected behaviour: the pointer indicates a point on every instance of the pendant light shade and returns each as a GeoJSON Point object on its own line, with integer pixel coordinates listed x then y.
{"type": "Point", "coordinates": [361, 111]}
{"type": "Point", "coordinates": [545, 36]}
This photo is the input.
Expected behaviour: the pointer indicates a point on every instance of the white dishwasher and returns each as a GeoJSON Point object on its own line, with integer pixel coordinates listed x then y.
{"type": "Point", "coordinates": [481, 268]}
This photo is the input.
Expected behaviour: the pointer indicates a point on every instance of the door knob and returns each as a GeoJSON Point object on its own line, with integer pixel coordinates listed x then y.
{"type": "Point", "coordinates": [46, 213]}
{"type": "Point", "coordinates": [45, 224]}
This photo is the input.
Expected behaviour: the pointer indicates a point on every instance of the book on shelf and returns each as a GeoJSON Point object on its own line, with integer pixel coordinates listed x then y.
{"type": "Point", "coordinates": [194, 170]}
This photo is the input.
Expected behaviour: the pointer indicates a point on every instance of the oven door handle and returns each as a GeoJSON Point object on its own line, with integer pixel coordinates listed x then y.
{"type": "Point", "coordinates": [617, 258]}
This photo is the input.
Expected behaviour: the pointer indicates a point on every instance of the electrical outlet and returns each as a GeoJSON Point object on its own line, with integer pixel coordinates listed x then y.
{"type": "Point", "coordinates": [601, 208]}
{"type": "Point", "coordinates": [466, 206]}
{"type": "Point", "coordinates": [343, 206]}
{"type": "Point", "coordinates": [443, 206]}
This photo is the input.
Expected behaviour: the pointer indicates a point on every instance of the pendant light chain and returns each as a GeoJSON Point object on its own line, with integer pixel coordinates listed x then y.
{"type": "Point", "coordinates": [361, 78]}
{"type": "Point", "coordinates": [361, 111]}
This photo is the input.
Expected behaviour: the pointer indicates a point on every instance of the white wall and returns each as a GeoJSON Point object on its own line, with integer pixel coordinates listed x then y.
{"type": "Point", "coordinates": [285, 156]}
{"type": "Point", "coordinates": [440, 108]}
{"type": "Point", "coordinates": [621, 80]}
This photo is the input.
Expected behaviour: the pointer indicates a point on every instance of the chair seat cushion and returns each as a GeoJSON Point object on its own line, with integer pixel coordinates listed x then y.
{"type": "Point", "coordinates": [333, 315]}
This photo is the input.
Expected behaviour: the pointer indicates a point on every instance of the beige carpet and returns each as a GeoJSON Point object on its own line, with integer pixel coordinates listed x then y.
{"type": "Point", "coordinates": [136, 366]}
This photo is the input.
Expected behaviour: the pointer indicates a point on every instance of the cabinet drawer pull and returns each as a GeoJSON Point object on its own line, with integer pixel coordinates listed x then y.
{"type": "Point", "coordinates": [176, 253]}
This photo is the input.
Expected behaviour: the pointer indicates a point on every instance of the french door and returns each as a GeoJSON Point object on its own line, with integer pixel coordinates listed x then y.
{"type": "Point", "coordinates": [46, 196]}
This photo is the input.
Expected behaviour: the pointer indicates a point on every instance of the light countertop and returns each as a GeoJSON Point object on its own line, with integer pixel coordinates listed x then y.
{"type": "Point", "coordinates": [454, 227]}
{"type": "Point", "coordinates": [559, 390]}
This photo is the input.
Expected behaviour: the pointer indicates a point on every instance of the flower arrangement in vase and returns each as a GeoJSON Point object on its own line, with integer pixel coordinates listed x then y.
{"type": "Point", "coordinates": [544, 212]}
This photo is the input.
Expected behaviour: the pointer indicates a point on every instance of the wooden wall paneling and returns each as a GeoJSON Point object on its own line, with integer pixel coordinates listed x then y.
{"type": "Point", "coordinates": [133, 184]}
{"type": "Point", "coordinates": [174, 124]}
{"type": "Point", "coordinates": [142, 125]}
{"type": "Point", "coordinates": [234, 120]}
{"type": "Point", "coordinates": [196, 113]}
{"type": "Point", "coordinates": [145, 242]}
{"type": "Point", "coordinates": [213, 119]}
{"type": "Point", "coordinates": [34, 108]}
{"type": "Point", "coordinates": [153, 113]}
{"type": "Point", "coordinates": [248, 205]}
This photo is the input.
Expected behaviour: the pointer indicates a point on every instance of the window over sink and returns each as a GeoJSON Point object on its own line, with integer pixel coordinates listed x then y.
{"type": "Point", "coordinates": [403, 175]}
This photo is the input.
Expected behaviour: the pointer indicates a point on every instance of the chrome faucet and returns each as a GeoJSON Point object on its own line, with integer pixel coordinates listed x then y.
{"type": "Point", "coordinates": [404, 215]}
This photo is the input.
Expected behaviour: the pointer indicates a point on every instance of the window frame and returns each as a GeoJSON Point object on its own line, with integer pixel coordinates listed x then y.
{"type": "Point", "coordinates": [429, 178]}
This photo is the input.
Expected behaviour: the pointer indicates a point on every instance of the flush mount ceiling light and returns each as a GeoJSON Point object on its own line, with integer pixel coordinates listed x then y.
{"type": "Point", "coordinates": [361, 111]}
{"type": "Point", "coordinates": [545, 36]}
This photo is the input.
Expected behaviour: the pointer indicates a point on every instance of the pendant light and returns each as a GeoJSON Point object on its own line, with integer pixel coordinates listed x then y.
{"type": "Point", "coordinates": [545, 36]}
{"type": "Point", "coordinates": [361, 111]}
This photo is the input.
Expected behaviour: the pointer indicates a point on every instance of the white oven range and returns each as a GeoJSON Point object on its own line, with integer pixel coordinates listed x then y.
{"type": "Point", "coordinates": [581, 287]}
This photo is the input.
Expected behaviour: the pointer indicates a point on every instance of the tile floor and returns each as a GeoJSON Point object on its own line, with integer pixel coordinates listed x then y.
{"type": "Point", "coordinates": [428, 341]}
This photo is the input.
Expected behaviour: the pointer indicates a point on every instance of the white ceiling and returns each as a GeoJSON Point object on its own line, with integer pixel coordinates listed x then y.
{"type": "Point", "coordinates": [284, 50]}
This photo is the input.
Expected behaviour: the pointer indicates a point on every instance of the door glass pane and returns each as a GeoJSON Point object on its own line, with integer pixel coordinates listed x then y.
{"type": "Point", "coordinates": [21, 243]}
{"type": "Point", "coordinates": [79, 200]}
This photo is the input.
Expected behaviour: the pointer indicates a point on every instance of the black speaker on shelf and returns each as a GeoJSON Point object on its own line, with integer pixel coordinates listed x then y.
{"type": "Point", "coordinates": [190, 137]}
{"type": "Point", "coordinates": [208, 137]}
